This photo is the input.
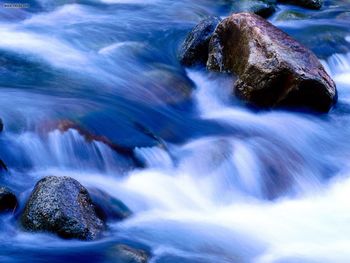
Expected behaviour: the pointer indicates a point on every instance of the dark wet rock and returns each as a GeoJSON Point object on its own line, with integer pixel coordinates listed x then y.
{"type": "Point", "coordinates": [1, 125]}
{"type": "Point", "coordinates": [126, 254]}
{"type": "Point", "coordinates": [108, 207]}
{"type": "Point", "coordinates": [273, 69]}
{"type": "Point", "coordinates": [8, 200]}
{"type": "Point", "coordinates": [311, 4]}
{"type": "Point", "coordinates": [194, 50]}
{"type": "Point", "coordinates": [263, 8]}
{"type": "Point", "coordinates": [3, 166]}
{"type": "Point", "coordinates": [61, 205]}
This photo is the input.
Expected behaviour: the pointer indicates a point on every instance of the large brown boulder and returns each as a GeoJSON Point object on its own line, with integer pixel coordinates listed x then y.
{"type": "Point", "coordinates": [273, 69]}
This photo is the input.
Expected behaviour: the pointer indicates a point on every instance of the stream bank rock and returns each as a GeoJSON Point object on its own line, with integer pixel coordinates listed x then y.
{"type": "Point", "coordinates": [273, 69]}
{"type": "Point", "coordinates": [311, 4]}
{"type": "Point", "coordinates": [61, 205]}
{"type": "Point", "coordinates": [8, 200]}
{"type": "Point", "coordinates": [194, 50]}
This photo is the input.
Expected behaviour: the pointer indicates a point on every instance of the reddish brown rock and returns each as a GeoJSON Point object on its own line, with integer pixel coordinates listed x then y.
{"type": "Point", "coordinates": [273, 69]}
{"type": "Point", "coordinates": [66, 125]}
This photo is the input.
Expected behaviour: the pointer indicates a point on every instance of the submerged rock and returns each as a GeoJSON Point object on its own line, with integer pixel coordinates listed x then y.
{"type": "Point", "coordinates": [273, 69]}
{"type": "Point", "coordinates": [311, 4]}
{"type": "Point", "coordinates": [3, 166]}
{"type": "Point", "coordinates": [109, 207]}
{"type": "Point", "coordinates": [66, 125]}
{"type": "Point", "coordinates": [291, 15]}
{"type": "Point", "coordinates": [1, 125]}
{"type": "Point", "coordinates": [194, 50]}
{"type": "Point", "coordinates": [324, 40]}
{"type": "Point", "coordinates": [126, 254]}
{"type": "Point", "coordinates": [63, 206]}
{"type": "Point", "coordinates": [263, 8]}
{"type": "Point", "coordinates": [8, 200]}
{"type": "Point", "coordinates": [166, 86]}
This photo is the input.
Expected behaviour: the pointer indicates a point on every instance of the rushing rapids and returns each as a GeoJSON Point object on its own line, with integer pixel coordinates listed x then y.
{"type": "Point", "coordinates": [219, 182]}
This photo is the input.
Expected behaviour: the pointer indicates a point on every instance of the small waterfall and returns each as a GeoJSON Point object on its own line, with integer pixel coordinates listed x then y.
{"type": "Point", "coordinates": [64, 150]}
{"type": "Point", "coordinates": [338, 65]}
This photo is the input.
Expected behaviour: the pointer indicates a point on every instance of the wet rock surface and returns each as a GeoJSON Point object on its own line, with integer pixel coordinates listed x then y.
{"type": "Point", "coordinates": [108, 207]}
{"type": "Point", "coordinates": [311, 4]}
{"type": "Point", "coordinates": [263, 8]}
{"type": "Point", "coordinates": [61, 205]}
{"type": "Point", "coordinates": [194, 50]}
{"type": "Point", "coordinates": [273, 69]}
{"type": "Point", "coordinates": [126, 254]}
{"type": "Point", "coordinates": [3, 166]}
{"type": "Point", "coordinates": [1, 125]}
{"type": "Point", "coordinates": [8, 200]}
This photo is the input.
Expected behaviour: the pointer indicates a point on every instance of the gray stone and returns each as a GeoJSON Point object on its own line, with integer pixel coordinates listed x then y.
{"type": "Point", "coordinates": [194, 50]}
{"type": "Point", "coordinates": [126, 254]}
{"type": "Point", "coordinates": [63, 206]}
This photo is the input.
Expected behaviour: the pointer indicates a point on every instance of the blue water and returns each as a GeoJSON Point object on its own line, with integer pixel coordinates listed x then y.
{"type": "Point", "coordinates": [214, 181]}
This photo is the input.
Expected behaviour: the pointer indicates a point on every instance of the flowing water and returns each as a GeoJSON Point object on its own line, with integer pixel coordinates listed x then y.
{"type": "Point", "coordinates": [219, 182]}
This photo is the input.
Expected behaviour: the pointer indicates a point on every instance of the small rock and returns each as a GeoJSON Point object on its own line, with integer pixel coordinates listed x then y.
{"type": "Point", "coordinates": [1, 125]}
{"type": "Point", "coordinates": [8, 200]}
{"type": "Point", "coordinates": [63, 206]}
{"type": "Point", "coordinates": [263, 8]}
{"type": "Point", "coordinates": [126, 254]}
{"type": "Point", "coordinates": [3, 166]}
{"type": "Point", "coordinates": [273, 69]}
{"type": "Point", "coordinates": [291, 15]}
{"type": "Point", "coordinates": [109, 207]}
{"type": "Point", "coordinates": [311, 4]}
{"type": "Point", "coordinates": [194, 50]}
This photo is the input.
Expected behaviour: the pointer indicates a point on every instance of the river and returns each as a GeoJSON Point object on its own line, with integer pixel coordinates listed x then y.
{"type": "Point", "coordinates": [221, 183]}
